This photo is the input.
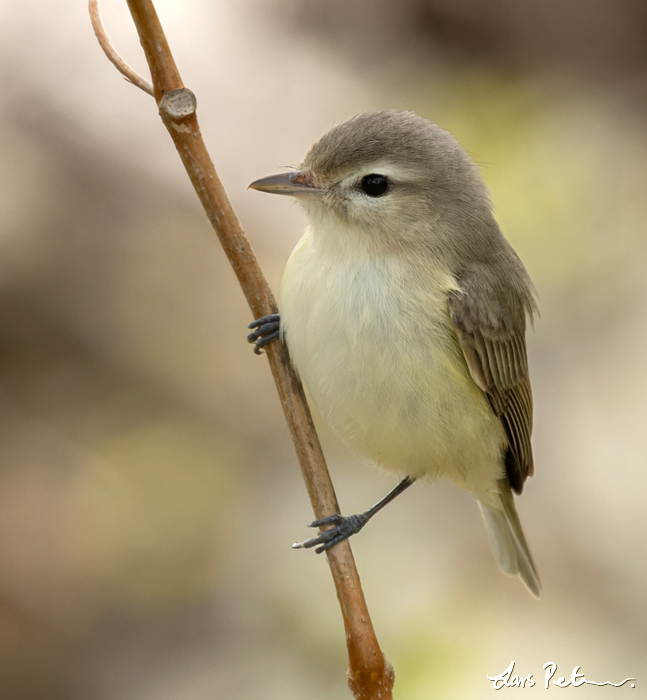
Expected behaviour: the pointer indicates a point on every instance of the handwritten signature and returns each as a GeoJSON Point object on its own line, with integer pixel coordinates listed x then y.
{"type": "Point", "coordinates": [508, 680]}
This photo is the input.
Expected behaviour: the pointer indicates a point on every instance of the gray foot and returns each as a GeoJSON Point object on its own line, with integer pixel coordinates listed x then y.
{"type": "Point", "coordinates": [267, 330]}
{"type": "Point", "coordinates": [344, 528]}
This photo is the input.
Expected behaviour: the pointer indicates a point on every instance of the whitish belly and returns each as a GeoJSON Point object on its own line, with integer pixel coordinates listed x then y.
{"type": "Point", "coordinates": [377, 351]}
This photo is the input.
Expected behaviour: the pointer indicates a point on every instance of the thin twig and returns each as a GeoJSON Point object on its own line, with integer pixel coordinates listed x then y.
{"type": "Point", "coordinates": [370, 675]}
{"type": "Point", "coordinates": [131, 75]}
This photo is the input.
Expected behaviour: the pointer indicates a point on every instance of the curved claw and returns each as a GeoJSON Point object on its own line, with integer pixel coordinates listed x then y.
{"type": "Point", "coordinates": [267, 330]}
{"type": "Point", "coordinates": [344, 527]}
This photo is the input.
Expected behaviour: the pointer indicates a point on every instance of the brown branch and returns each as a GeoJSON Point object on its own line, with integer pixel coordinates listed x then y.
{"type": "Point", "coordinates": [370, 675]}
{"type": "Point", "coordinates": [131, 75]}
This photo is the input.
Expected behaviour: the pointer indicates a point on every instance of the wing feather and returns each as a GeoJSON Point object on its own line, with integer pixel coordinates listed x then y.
{"type": "Point", "coordinates": [494, 346]}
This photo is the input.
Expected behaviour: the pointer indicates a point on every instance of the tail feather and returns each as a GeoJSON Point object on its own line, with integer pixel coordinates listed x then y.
{"type": "Point", "coordinates": [507, 539]}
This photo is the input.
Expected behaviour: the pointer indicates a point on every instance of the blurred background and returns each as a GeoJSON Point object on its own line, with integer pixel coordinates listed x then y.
{"type": "Point", "coordinates": [149, 492]}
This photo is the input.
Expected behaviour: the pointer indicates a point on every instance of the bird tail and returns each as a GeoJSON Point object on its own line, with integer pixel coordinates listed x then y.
{"type": "Point", "coordinates": [507, 539]}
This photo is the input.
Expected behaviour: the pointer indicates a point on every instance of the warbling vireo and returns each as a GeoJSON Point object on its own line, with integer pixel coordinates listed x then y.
{"type": "Point", "coordinates": [404, 310]}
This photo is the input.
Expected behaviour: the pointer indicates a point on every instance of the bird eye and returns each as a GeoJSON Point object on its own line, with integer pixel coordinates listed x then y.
{"type": "Point", "coordinates": [374, 185]}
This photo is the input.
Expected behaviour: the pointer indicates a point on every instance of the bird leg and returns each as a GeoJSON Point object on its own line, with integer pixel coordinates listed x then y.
{"type": "Point", "coordinates": [350, 525]}
{"type": "Point", "coordinates": [267, 330]}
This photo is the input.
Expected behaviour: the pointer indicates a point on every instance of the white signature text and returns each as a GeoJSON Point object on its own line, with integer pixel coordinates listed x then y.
{"type": "Point", "coordinates": [508, 680]}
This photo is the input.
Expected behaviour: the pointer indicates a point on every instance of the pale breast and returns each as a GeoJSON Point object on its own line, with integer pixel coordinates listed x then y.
{"type": "Point", "coordinates": [371, 338]}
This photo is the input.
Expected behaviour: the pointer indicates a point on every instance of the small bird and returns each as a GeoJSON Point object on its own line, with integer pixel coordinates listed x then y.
{"type": "Point", "coordinates": [404, 310]}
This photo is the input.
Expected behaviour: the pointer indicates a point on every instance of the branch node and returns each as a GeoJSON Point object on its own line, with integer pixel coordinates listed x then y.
{"type": "Point", "coordinates": [178, 104]}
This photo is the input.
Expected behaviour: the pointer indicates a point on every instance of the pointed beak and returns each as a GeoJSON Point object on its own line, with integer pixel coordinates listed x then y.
{"type": "Point", "coordinates": [296, 184]}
